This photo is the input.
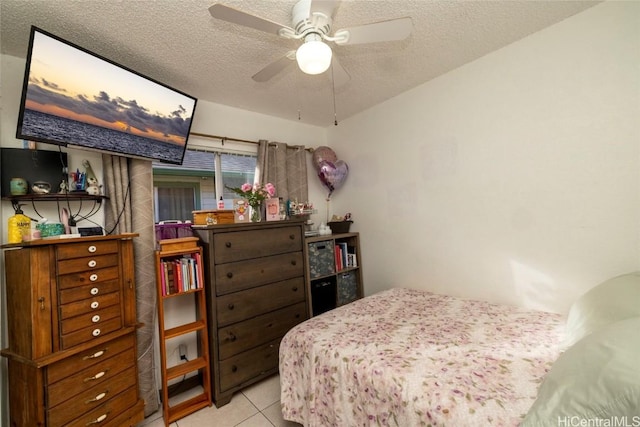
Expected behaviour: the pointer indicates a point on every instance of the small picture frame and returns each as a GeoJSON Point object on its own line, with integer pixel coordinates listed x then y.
{"type": "Point", "coordinates": [273, 209]}
{"type": "Point", "coordinates": [240, 210]}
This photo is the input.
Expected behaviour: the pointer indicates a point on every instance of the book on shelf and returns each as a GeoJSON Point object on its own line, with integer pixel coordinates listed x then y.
{"type": "Point", "coordinates": [199, 270]}
{"type": "Point", "coordinates": [343, 254]}
{"type": "Point", "coordinates": [181, 274]}
{"type": "Point", "coordinates": [351, 260]}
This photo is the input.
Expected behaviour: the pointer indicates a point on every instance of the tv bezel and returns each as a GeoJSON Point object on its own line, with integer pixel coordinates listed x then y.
{"type": "Point", "coordinates": [79, 145]}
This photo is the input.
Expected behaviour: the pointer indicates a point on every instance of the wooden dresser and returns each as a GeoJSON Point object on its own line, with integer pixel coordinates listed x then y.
{"type": "Point", "coordinates": [71, 314]}
{"type": "Point", "coordinates": [256, 293]}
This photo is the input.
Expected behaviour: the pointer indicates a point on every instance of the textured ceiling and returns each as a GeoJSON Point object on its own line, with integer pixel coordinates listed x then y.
{"type": "Point", "coordinates": [180, 44]}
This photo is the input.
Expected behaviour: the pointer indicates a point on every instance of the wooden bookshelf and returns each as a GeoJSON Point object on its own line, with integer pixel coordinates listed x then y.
{"type": "Point", "coordinates": [179, 274]}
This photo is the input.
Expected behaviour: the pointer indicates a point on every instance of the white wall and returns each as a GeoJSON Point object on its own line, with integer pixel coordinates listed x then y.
{"type": "Point", "coordinates": [514, 178]}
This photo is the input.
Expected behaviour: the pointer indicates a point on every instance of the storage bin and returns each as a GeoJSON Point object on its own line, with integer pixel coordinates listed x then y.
{"type": "Point", "coordinates": [173, 230]}
{"type": "Point", "coordinates": [339, 227]}
{"type": "Point", "coordinates": [347, 287]}
{"type": "Point", "coordinates": [321, 259]}
{"type": "Point", "coordinates": [323, 295]}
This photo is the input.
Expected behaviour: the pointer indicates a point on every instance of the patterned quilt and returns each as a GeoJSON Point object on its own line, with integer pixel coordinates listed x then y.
{"type": "Point", "coordinates": [411, 358]}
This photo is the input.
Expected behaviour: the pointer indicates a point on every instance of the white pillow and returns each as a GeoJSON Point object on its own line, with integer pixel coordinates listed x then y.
{"type": "Point", "coordinates": [615, 299]}
{"type": "Point", "coordinates": [596, 379]}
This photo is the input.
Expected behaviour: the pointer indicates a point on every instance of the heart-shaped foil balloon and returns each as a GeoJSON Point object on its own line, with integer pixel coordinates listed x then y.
{"type": "Point", "coordinates": [333, 174]}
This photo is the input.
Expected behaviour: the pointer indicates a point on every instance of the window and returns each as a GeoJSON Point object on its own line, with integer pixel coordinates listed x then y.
{"type": "Point", "coordinates": [181, 189]}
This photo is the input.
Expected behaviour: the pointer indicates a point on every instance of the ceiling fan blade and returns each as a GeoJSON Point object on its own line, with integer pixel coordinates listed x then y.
{"type": "Point", "coordinates": [339, 74]}
{"type": "Point", "coordinates": [275, 67]}
{"type": "Point", "coordinates": [229, 14]}
{"type": "Point", "coordinates": [391, 30]}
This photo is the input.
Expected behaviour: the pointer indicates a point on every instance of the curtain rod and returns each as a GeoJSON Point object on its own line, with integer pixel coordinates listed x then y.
{"type": "Point", "coordinates": [225, 138]}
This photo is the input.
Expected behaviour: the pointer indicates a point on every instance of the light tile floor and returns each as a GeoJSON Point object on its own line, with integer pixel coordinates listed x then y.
{"type": "Point", "coordinates": [255, 406]}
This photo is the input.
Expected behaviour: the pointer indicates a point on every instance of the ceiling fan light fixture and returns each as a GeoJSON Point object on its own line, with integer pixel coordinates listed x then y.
{"type": "Point", "coordinates": [314, 56]}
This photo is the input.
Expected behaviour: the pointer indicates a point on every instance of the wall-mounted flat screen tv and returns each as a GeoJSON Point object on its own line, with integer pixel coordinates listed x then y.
{"type": "Point", "coordinates": [74, 97]}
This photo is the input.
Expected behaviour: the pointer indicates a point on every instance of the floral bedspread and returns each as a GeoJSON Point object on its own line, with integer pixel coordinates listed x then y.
{"type": "Point", "coordinates": [411, 358]}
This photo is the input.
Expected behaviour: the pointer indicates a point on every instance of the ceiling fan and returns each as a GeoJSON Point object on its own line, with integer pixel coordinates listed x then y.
{"type": "Point", "coordinates": [311, 22]}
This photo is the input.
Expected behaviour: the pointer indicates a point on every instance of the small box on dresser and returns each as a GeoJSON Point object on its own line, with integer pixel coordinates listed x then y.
{"type": "Point", "coordinates": [72, 323]}
{"type": "Point", "coordinates": [255, 293]}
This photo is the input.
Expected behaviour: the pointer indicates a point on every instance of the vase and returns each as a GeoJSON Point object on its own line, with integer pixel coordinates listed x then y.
{"type": "Point", "coordinates": [18, 186]}
{"type": "Point", "coordinates": [255, 213]}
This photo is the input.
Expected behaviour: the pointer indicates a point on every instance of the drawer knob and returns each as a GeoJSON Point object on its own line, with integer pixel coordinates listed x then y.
{"type": "Point", "coordinates": [234, 368]}
{"type": "Point", "coordinates": [232, 337]}
{"type": "Point", "coordinates": [229, 275]}
{"type": "Point", "coordinates": [94, 291]}
{"type": "Point", "coordinates": [228, 244]}
{"type": "Point", "coordinates": [293, 262]}
{"type": "Point", "coordinates": [93, 277]}
{"type": "Point", "coordinates": [96, 376]}
{"type": "Point", "coordinates": [98, 397]}
{"type": "Point", "coordinates": [95, 332]}
{"type": "Point", "coordinates": [98, 420]}
{"type": "Point", "coordinates": [295, 289]}
{"type": "Point", "coordinates": [92, 249]}
{"type": "Point", "coordinates": [95, 355]}
{"type": "Point", "coordinates": [298, 316]}
{"type": "Point", "coordinates": [92, 263]}
{"type": "Point", "coordinates": [292, 236]}
{"type": "Point", "coordinates": [95, 319]}
{"type": "Point", "coordinates": [231, 306]}
{"type": "Point", "coordinates": [95, 304]}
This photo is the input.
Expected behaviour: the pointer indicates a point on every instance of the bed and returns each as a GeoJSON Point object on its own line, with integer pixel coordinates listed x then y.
{"type": "Point", "coordinates": [405, 357]}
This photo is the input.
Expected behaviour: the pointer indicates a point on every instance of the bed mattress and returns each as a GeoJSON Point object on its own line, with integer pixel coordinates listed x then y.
{"type": "Point", "coordinates": [405, 357]}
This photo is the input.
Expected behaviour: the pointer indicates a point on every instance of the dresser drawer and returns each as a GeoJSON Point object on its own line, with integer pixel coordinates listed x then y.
{"type": "Point", "coordinates": [236, 276]}
{"type": "Point", "coordinates": [248, 365]}
{"type": "Point", "coordinates": [77, 250]}
{"type": "Point", "coordinates": [95, 406]}
{"type": "Point", "coordinates": [88, 277]}
{"type": "Point", "coordinates": [87, 263]}
{"type": "Point", "coordinates": [242, 305]}
{"type": "Point", "coordinates": [89, 305]}
{"type": "Point", "coordinates": [89, 358]}
{"type": "Point", "coordinates": [104, 371]}
{"type": "Point", "coordinates": [250, 333]}
{"type": "Point", "coordinates": [93, 319]}
{"type": "Point", "coordinates": [241, 245]}
{"type": "Point", "coordinates": [87, 334]}
{"type": "Point", "coordinates": [79, 293]}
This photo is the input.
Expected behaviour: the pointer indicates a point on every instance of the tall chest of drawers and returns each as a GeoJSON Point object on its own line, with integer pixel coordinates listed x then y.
{"type": "Point", "coordinates": [256, 293]}
{"type": "Point", "coordinates": [71, 315]}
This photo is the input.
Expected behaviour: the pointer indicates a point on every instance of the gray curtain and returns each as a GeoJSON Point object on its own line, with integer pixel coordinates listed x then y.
{"type": "Point", "coordinates": [129, 187]}
{"type": "Point", "coordinates": [285, 167]}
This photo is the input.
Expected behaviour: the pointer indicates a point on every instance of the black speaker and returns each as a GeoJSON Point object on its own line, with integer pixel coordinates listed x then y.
{"type": "Point", "coordinates": [90, 231]}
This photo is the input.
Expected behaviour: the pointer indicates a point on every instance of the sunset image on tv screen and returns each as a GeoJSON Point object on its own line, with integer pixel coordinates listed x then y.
{"type": "Point", "coordinates": [77, 98]}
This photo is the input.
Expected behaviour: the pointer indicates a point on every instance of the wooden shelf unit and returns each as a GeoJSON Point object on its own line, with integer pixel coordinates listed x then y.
{"type": "Point", "coordinates": [172, 251]}
{"type": "Point", "coordinates": [332, 283]}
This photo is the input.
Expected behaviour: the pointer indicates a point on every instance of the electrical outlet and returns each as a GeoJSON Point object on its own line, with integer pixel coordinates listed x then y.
{"type": "Point", "coordinates": [182, 351]}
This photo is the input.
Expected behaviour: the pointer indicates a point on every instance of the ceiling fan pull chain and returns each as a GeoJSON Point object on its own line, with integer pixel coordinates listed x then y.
{"type": "Point", "coordinates": [333, 85]}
